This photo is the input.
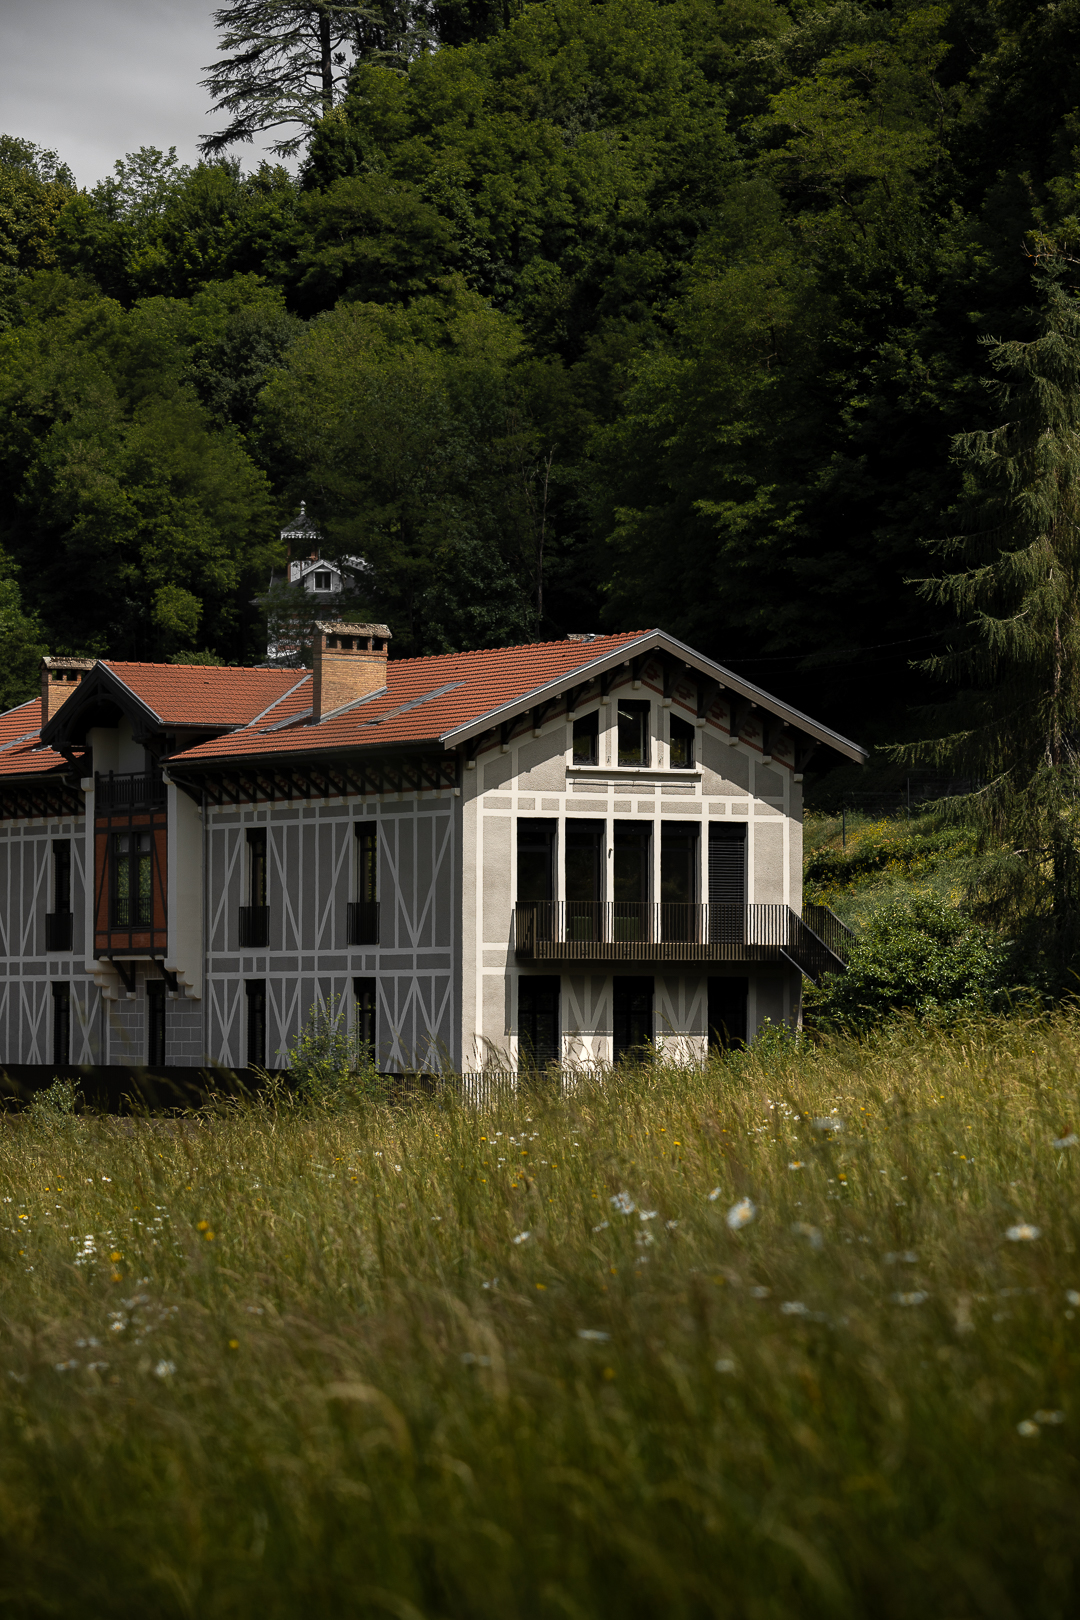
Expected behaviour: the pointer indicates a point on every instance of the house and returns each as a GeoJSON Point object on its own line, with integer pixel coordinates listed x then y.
{"type": "Point", "coordinates": [321, 585]}
{"type": "Point", "coordinates": [555, 851]}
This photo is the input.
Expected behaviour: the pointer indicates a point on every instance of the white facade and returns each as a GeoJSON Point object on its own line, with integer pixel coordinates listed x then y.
{"type": "Point", "coordinates": [451, 970]}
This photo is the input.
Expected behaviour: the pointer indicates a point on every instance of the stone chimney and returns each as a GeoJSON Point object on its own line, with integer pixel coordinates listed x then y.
{"type": "Point", "coordinates": [350, 662]}
{"type": "Point", "coordinates": [59, 678]}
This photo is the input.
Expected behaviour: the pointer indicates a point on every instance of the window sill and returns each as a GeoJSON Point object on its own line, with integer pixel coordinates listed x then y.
{"type": "Point", "coordinates": [636, 773]}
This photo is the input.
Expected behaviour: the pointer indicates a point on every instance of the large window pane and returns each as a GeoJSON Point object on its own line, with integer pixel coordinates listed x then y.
{"type": "Point", "coordinates": [630, 877]}
{"type": "Point", "coordinates": [583, 840]}
{"type": "Point", "coordinates": [678, 864]}
{"type": "Point", "coordinates": [535, 856]}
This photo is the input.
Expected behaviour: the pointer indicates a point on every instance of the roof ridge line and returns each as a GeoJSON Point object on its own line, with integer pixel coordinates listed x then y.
{"type": "Point", "coordinates": [279, 699]}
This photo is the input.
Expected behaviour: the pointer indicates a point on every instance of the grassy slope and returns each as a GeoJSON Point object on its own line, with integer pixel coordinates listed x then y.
{"type": "Point", "coordinates": [882, 860]}
{"type": "Point", "coordinates": [334, 1382]}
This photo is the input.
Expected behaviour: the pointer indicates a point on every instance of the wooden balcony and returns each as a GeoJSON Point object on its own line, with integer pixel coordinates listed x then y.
{"type": "Point", "coordinates": [643, 931]}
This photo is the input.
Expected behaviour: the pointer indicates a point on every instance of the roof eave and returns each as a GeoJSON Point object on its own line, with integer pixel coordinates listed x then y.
{"type": "Point", "coordinates": [622, 655]}
{"type": "Point", "coordinates": [100, 675]}
{"type": "Point", "coordinates": [294, 756]}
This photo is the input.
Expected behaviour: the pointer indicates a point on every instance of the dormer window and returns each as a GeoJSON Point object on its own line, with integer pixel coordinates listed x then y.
{"type": "Point", "coordinates": [681, 749]}
{"type": "Point", "coordinates": [587, 739]}
{"type": "Point", "coordinates": [323, 579]}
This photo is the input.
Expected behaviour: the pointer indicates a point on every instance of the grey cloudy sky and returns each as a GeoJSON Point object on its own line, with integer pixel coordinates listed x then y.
{"type": "Point", "coordinates": [97, 78]}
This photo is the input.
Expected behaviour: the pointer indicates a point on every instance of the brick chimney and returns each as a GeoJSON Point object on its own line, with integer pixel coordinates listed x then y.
{"type": "Point", "coordinates": [350, 662]}
{"type": "Point", "coordinates": [59, 678]}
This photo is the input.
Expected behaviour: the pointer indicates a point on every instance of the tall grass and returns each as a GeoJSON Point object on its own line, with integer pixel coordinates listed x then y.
{"type": "Point", "coordinates": [525, 1361]}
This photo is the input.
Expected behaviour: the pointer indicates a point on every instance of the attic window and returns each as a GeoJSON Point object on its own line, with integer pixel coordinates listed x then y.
{"type": "Point", "coordinates": [682, 744]}
{"type": "Point", "coordinates": [323, 580]}
{"type": "Point", "coordinates": [378, 645]}
{"type": "Point", "coordinates": [331, 641]}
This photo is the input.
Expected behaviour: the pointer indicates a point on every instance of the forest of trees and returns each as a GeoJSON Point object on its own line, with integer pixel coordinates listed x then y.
{"type": "Point", "coordinates": [579, 314]}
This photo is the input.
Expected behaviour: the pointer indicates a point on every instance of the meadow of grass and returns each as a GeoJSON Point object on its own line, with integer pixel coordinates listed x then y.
{"type": "Point", "coordinates": [795, 1335]}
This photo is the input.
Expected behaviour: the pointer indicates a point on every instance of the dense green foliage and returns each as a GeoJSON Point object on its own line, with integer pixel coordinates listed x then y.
{"type": "Point", "coordinates": [544, 1360]}
{"type": "Point", "coordinates": [920, 956]}
{"type": "Point", "coordinates": [683, 303]}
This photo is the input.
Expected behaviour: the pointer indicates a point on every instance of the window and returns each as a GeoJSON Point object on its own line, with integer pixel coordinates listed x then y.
{"type": "Point", "coordinates": [155, 1022]}
{"type": "Point", "coordinates": [679, 915]}
{"type": "Point", "coordinates": [584, 842]}
{"type": "Point", "coordinates": [535, 860]}
{"type": "Point", "coordinates": [367, 862]}
{"type": "Point", "coordinates": [323, 580]}
{"type": "Point", "coordinates": [132, 887]}
{"type": "Point", "coordinates": [633, 733]}
{"type": "Point", "coordinates": [255, 916]}
{"type": "Point", "coordinates": [587, 739]}
{"type": "Point", "coordinates": [256, 1023]}
{"type": "Point", "coordinates": [61, 851]}
{"type": "Point", "coordinates": [727, 1012]}
{"type": "Point", "coordinates": [365, 993]}
{"type": "Point", "coordinates": [538, 1021]}
{"type": "Point", "coordinates": [632, 1016]}
{"type": "Point", "coordinates": [364, 909]}
{"type": "Point", "coordinates": [631, 863]}
{"type": "Point", "coordinates": [681, 749]}
{"type": "Point", "coordinates": [256, 842]}
{"type": "Point", "coordinates": [61, 1024]}
{"type": "Point", "coordinates": [58, 928]}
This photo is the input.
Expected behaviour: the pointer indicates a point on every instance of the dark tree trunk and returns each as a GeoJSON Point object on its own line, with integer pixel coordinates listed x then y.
{"type": "Point", "coordinates": [327, 62]}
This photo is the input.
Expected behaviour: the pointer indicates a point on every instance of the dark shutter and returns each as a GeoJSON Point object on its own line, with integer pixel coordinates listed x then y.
{"type": "Point", "coordinates": [727, 864]}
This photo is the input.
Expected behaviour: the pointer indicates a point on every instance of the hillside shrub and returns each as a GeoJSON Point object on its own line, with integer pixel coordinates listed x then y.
{"type": "Point", "coordinates": [916, 955]}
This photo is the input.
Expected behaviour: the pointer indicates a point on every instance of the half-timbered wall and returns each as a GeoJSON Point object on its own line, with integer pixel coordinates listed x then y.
{"type": "Point", "coordinates": [27, 970]}
{"type": "Point", "coordinates": [311, 851]}
{"type": "Point", "coordinates": [534, 776]}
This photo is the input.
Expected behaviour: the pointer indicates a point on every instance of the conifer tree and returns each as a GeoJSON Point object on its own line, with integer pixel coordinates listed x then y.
{"type": "Point", "coordinates": [289, 61]}
{"type": "Point", "coordinates": [1014, 724]}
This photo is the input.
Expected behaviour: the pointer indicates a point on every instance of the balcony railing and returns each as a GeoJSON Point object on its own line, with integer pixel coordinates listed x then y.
{"type": "Point", "coordinates": [254, 928]}
{"type": "Point", "coordinates": [363, 922]}
{"type": "Point", "coordinates": [134, 790]}
{"type": "Point", "coordinates": [629, 931]}
{"type": "Point", "coordinates": [59, 927]}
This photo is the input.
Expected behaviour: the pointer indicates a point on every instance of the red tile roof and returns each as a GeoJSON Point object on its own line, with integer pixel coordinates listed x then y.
{"type": "Point", "coordinates": [424, 698]}
{"type": "Point", "coordinates": [268, 711]}
{"type": "Point", "coordinates": [203, 694]}
{"type": "Point", "coordinates": [21, 753]}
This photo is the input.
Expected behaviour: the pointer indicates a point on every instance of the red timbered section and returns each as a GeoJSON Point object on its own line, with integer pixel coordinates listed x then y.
{"type": "Point", "coordinates": [130, 881]}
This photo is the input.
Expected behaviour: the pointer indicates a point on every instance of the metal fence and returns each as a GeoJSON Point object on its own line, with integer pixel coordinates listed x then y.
{"type": "Point", "coordinates": [629, 931]}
